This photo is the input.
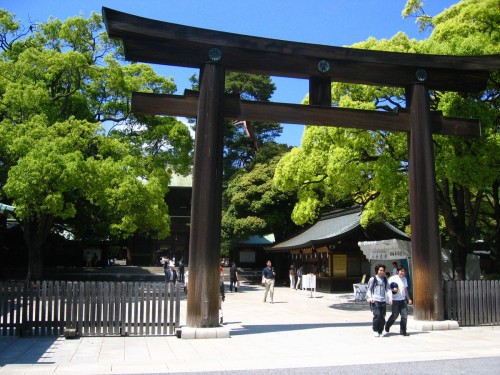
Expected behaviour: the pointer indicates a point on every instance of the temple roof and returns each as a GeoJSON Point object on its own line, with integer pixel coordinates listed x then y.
{"type": "Point", "coordinates": [335, 225]}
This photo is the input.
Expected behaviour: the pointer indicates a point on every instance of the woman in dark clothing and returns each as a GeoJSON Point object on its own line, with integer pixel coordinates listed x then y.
{"type": "Point", "coordinates": [233, 278]}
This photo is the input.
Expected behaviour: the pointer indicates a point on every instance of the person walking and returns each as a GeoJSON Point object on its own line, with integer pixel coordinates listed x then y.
{"type": "Point", "coordinates": [376, 294]}
{"type": "Point", "coordinates": [300, 273]}
{"type": "Point", "coordinates": [398, 300]}
{"type": "Point", "coordinates": [233, 277]}
{"type": "Point", "coordinates": [268, 276]}
{"type": "Point", "coordinates": [181, 271]}
{"type": "Point", "coordinates": [222, 291]}
{"type": "Point", "coordinates": [292, 275]}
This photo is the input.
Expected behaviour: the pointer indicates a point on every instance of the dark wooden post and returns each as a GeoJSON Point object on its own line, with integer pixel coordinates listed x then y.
{"type": "Point", "coordinates": [425, 241]}
{"type": "Point", "coordinates": [320, 91]}
{"type": "Point", "coordinates": [206, 203]}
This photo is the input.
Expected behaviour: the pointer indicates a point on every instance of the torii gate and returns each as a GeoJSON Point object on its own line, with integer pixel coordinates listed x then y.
{"type": "Point", "coordinates": [214, 52]}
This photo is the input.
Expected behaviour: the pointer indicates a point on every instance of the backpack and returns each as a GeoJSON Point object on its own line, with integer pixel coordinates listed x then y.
{"type": "Point", "coordinates": [384, 279]}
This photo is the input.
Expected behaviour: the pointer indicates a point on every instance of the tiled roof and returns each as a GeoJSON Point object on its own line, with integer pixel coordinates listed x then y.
{"type": "Point", "coordinates": [330, 226]}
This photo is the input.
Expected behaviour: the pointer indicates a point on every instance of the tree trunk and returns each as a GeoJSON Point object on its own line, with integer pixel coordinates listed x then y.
{"type": "Point", "coordinates": [460, 210]}
{"type": "Point", "coordinates": [35, 235]}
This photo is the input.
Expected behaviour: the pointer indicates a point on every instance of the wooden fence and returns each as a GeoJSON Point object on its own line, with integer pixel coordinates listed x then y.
{"type": "Point", "coordinates": [90, 308]}
{"type": "Point", "coordinates": [473, 302]}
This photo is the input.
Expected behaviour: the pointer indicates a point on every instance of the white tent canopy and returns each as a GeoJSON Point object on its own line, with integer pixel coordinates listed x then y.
{"type": "Point", "coordinates": [386, 249]}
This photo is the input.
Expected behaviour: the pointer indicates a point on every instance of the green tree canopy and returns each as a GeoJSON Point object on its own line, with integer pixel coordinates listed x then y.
{"type": "Point", "coordinates": [58, 82]}
{"type": "Point", "coordinates": [252, 205]}
{"type": "Point", "coordinates": [337, 166]}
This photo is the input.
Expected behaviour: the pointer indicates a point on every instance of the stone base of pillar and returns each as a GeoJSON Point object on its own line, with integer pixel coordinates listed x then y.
{"type": "Point", "coordinates": [432, 325]}
{"type": "Point", "coordinates": [203, 333]}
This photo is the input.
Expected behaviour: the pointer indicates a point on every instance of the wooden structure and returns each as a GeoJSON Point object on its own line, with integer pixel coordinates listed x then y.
{"type": "Point", "coordinates": [472, 302]}
{"type": "Point", "coordinates": [330, 248]}
{"type": "Point", "coordinates": [215, 52]}
{"type": "Point", "coordinates": [89, 308]}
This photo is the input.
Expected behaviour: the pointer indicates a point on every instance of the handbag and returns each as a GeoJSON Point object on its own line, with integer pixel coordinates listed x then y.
{"type": "Point", "coordinates": [263, 280]}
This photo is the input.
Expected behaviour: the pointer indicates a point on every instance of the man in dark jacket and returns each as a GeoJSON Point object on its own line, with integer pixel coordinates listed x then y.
{"type": "Point", "coordinates": [170, 274]}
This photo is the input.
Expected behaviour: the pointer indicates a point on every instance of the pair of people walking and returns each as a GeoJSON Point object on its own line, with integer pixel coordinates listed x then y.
{"type": "Point", "coordinates": [394, 292]}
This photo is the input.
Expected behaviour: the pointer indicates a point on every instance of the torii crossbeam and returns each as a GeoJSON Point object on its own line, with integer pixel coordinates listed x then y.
{"type": "Point", "coordinates": [215, 52]}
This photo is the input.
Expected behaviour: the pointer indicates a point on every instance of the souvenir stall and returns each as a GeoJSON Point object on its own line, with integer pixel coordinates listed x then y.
{"type": "Point", "coordinates": [329, 248]}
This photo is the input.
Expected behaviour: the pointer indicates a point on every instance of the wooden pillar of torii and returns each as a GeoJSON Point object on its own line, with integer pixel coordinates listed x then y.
{"type": "Point", "coordinates": [214, 52]}
{"type": "Point", "coordinates": [206, 201]}
{"type": "Point", "coordinates": [425, 239]}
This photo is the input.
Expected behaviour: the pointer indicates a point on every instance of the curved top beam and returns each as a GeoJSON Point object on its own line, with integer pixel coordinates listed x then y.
{"type": "Point", "coordinates": [158, 42]}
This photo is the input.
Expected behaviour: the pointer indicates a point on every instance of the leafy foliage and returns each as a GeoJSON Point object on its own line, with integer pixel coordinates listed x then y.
{"type": "Point", "coordinates": [59, 81]}
{"type": "Point", "coordinates": [252, 205]}
{"type": "Point", "coordinates": [337, 167]}
{"type": "Point", "coordinates": [241, 138]}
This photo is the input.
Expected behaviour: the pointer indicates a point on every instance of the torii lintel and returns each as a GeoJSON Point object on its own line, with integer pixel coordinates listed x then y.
{"type": "Point", "coordinates": [159, 42]}
{"type": "Point", "coordinates": [187, 105]}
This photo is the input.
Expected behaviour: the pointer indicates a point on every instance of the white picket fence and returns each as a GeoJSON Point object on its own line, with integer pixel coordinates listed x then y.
{"type": "Point", "coordinates": [88, 308]}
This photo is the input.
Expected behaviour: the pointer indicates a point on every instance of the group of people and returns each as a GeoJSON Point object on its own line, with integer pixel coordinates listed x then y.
{"type": "Point", "coordinates": [92, 260]}
{"type": "Point", "coordinates": [171, 274]}
{"type": "Point", "coordinates": [295, 276]}
{"type": "Point", "coordinates": [382, 290]}
{"type": "Point", "coordinates": [393, 291]}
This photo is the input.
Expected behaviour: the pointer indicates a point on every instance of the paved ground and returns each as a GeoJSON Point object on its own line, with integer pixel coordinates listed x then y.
{"type": "Point", "coordinates": [315, 334]}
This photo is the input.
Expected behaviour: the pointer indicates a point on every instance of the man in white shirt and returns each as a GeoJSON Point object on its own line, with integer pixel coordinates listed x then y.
{"type": "Point", "coordinates": [398, 300]}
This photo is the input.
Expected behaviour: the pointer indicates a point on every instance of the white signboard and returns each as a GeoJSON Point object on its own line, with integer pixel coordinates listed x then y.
{"type": "Point", "coordinates": [387, 249]}
{"type": "Point", "coordinates": [309, 281]}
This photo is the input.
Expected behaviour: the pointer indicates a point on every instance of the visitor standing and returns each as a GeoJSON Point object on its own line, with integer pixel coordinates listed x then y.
{"type": "Point", "coordinates": [292, 275]}
{"type": "Point", "coordinates": [268, 278]}
{"type": "Point", "coordinates": [233, 277]}
{"type": "Point", "coordinates": [300, 273]}
{"type": "Point", "coordinates": [170, 274]}
{"type": "Point", "coordinates": [181, 271]}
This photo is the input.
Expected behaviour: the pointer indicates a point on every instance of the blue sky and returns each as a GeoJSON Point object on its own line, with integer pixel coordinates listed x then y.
{"type": "Point", "coordinates": [329, 22]}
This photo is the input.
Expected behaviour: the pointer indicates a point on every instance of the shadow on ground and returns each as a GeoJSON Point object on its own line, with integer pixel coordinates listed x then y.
{"type": "Point", "coordinates": [256, 329]}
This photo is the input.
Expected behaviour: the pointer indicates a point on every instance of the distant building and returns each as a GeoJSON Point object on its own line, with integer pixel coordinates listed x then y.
{"type": "Point", "coordinates": [250, 253]}
{"type": "Point", "coordinates": [329, 248]}
{"type": "Point", "coordinates": [148, 251]}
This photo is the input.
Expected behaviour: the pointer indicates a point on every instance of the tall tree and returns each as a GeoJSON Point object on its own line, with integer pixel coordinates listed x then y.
{"type": "Point", "coordinates": [240, 137]}
{"type": "Point", "coordinates": [253, 205]}
{"type": "Point", "coordinates": [57, 84]}
{"type": "Point", "coordinates": [468, 176]}
{"type": "Point", "coordinates": [337, 166]}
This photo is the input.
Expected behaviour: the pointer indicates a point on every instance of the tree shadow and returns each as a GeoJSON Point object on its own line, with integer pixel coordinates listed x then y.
{"type": "Point", "coordinates": [32, 350]}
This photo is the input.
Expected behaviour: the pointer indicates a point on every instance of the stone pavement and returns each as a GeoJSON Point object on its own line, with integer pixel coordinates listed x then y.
{"type": "Point", "coordinates": [298, 330]}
